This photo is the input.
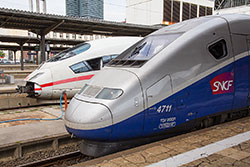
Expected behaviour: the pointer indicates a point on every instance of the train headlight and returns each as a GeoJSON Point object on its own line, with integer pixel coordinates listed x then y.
{"type": "Point", "coordinates": [109, 94]}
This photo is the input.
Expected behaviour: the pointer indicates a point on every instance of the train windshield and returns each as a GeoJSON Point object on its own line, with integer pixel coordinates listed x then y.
{"type": "Point", "coordinates": [70, 52]}
{"type": "Point", "coordinates": [100, 93]}
{"type": "Point", "coordinates": [144, 50]}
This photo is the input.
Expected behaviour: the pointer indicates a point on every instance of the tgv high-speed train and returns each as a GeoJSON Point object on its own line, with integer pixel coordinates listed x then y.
{"type": "Point", "coordinates": [70, 69]}
{"type": "Point", "coordinates": [191, 74]}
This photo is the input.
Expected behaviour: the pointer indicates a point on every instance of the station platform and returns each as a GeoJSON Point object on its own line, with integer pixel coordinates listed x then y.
{"type": "Point", "coordinates": [15, 134]}
{"type": "Point", "coordinates": [21, 137]}
{"type": "Point", "coordinates": [30, 128]}
{"type": "Point", "coordinates": [222, 145]}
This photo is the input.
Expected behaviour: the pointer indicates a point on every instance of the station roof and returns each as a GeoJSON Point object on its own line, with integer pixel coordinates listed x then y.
{"type": "Point", "coordinates": [29, 48]}
{"type": "Point", "coordinates": [43, 23]}
{"type": "Point", "coordinates": [33, 40]}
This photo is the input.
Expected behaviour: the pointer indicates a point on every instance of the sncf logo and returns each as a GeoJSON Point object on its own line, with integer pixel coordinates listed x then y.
{"type": "Point", "coordinates": [222, 83]}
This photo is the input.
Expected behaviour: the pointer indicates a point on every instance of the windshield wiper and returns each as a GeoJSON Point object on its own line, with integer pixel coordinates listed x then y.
{"type": "Point", "coordinates": [137, 50]}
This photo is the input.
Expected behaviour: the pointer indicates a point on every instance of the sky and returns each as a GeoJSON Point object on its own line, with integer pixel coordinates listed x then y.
{"type": "Point", "coordinates": [114, 10]}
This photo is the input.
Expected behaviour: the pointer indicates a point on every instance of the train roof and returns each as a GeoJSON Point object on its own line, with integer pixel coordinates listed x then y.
{"type": "Point", "coordinates": [180, 33]}
{"type": "Point", "coordinates": [97, 48]}
{"type": "Point", "coordinates": [112, 40]}
{"type": "Point", "coordinates": [239, 24]}
{"type": "Point", "coordinates": [109, 46]}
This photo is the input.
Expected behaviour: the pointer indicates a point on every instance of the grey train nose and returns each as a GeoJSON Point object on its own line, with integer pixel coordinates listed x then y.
{"type": "Point", "coordinates": [84, 115]}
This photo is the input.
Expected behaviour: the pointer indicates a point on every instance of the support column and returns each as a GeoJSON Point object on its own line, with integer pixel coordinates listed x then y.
{"type": "Point", "coordinates": [42, 48]}
{"type": "Point", "coordinates": [44, 6]}
{"type": "Point", "coordinates": [14, 56]}
{"type": "Point", "coordinates": [48, 57]}
{"type": "Point", "coordinates": [38, 6]}
{"type": "Point", "coordinates": [31, 5]}
{"type": "Point", "coordinates": [29, 56]}
{"type": "Point", "coordinates": [42, 41]}
{"type": "Point", "coordinates": [21, 60]}
{"type": "Point", "coordinates": [10, 55]}
{"type": "Point", "coordinates": [37, 58]}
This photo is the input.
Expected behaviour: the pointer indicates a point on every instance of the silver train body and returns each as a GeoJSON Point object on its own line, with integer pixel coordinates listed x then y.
{"type": "Point", "coordinates": [71, 69]}
{"type": "Point", "coordinates": [170, 81]}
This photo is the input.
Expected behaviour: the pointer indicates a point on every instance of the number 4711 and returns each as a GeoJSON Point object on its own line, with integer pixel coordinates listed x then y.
{"type": "Point", "coordinates": [164, 108]}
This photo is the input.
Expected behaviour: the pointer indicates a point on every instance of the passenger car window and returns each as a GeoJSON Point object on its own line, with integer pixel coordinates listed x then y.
{"type": "Point", "coordinates": [218, 49]}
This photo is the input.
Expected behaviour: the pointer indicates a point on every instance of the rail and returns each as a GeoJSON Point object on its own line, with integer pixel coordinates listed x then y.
{"type": "Point", "coordinates": [54, 160]}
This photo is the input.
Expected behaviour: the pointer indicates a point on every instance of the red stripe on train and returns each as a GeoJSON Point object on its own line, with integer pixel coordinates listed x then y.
{"type": "Point", "coordinates": [87, 77]}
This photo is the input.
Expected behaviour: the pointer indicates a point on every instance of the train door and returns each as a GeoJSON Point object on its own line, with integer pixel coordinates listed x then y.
{"type": "Point", "coordinates": [241, 72]}
{"type": "Point", "coordinates": [248, 45]}
{"type": "Point", "coordinates": [159, 115]}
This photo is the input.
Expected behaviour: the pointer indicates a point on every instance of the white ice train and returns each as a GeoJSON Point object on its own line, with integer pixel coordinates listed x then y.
{"type": "Point", "coordinates": [69, 70]}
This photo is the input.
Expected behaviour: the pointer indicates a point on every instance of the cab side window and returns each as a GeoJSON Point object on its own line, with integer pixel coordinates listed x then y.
{"type": "Point", "coordinates": [85, 66]}
{"type": "Point", "coordinates": [218, 49]}
{"type": "Point", "coordinates": [80, 67]}
{"type": "Point", "coordinates": [94, 63]}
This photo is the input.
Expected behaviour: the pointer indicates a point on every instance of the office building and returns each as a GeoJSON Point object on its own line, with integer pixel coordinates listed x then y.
{"type": "Point", "coordinates": [85, 8]}
{"type": "Point", "coordinates": [166, 11]}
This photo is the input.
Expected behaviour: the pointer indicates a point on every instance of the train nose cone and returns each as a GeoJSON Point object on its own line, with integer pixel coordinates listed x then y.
{"type": "Point", "coordinates": [42, 80]}
{"type": "Point", "coordinates": [88, 120]}
{"type": "Point", "coordinates": [37, 90]}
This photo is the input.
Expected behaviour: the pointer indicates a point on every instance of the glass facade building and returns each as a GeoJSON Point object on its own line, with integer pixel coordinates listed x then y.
{"type": "Point", "coordinates": [222, 4]}
{"type": "Point", "coordinates": [151, 12]}
{"type": "Point", "coordinates": [85, 8]}
{"type": "Point", "coordinates": [173, 9]}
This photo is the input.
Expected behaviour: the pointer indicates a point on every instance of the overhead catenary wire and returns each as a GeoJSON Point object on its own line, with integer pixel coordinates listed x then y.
{"type": "Point", "coordinates": [133, 6]}
{"type": "Point", "coordinates": [139, 3]}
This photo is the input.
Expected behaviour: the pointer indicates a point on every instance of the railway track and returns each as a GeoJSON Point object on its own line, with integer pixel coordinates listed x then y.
{"type": "Point", "coordinates": [60, 160]}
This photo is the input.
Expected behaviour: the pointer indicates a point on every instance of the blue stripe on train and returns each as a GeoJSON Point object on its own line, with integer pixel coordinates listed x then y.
{"type": "Point", "coordinates": [195, 101]}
